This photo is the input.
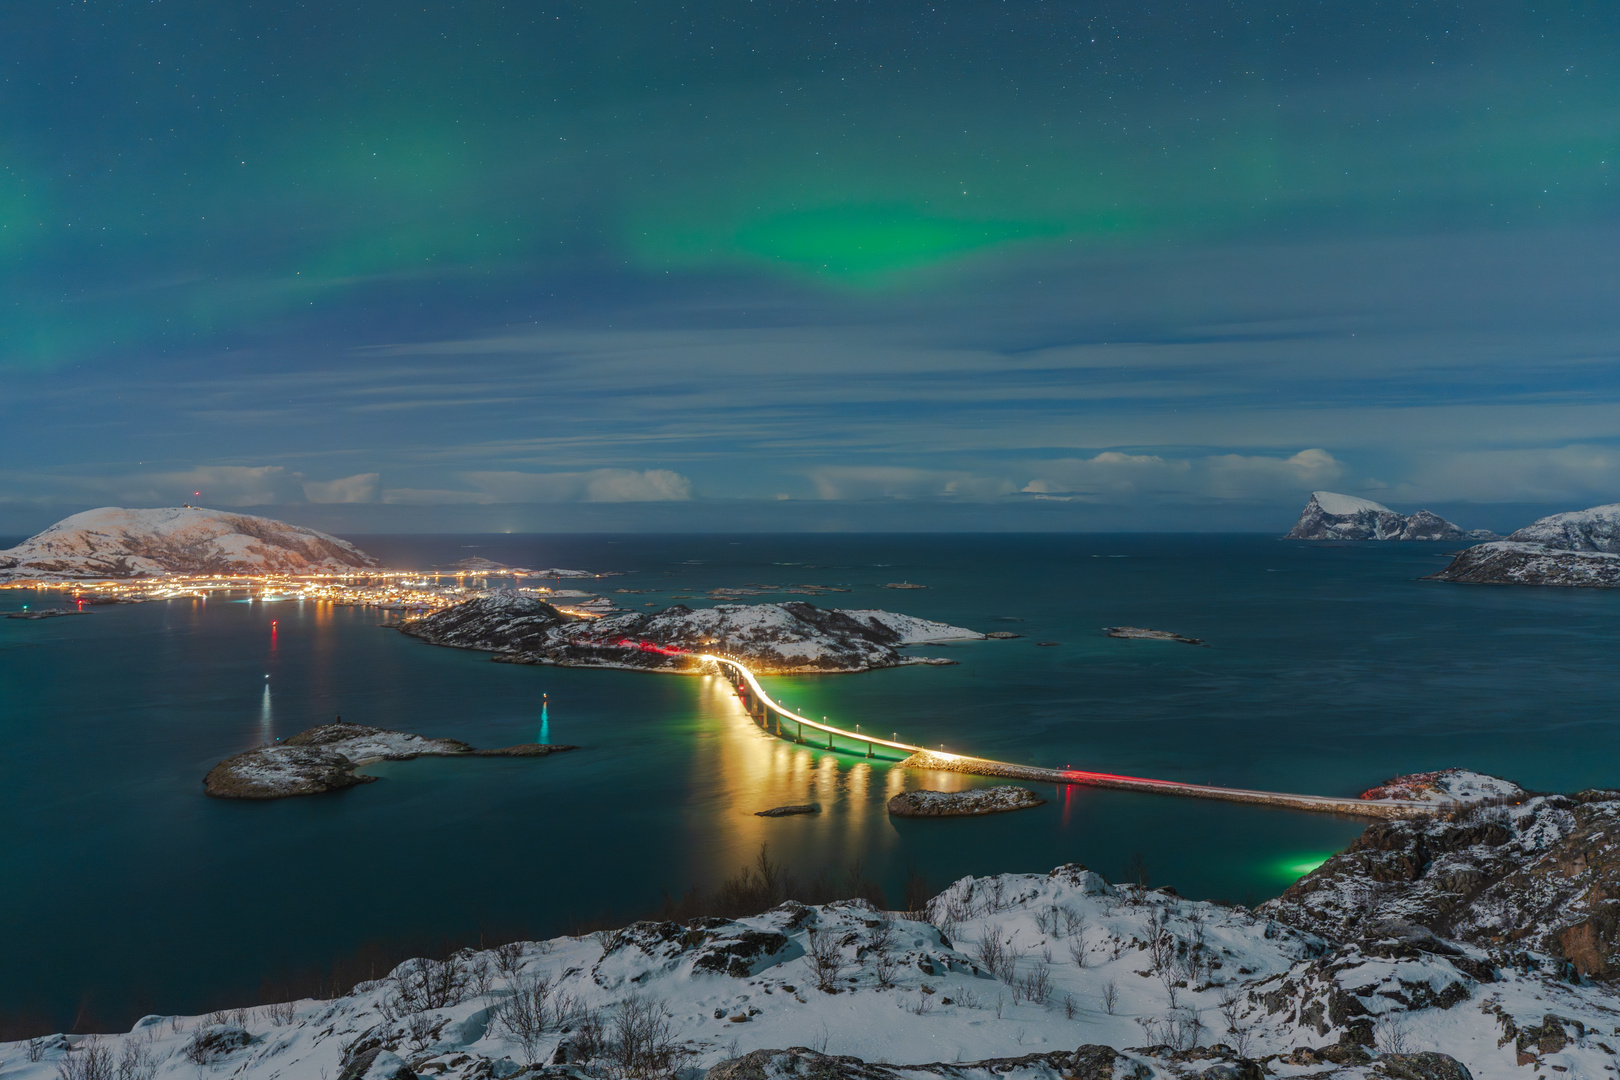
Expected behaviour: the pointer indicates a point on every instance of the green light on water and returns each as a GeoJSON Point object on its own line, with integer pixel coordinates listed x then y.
{"type": "Point", "coordinates": [1294, 867]}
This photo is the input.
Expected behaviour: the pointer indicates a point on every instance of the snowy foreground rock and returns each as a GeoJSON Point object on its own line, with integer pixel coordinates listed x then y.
{"type": "Point", "coordinates": [1331, 516]}
{"type": "Point", "coordinates": [1579, 549]}
{"type": "Point", "coordinates": [113, 542]}
{"type": "Point", "coordinates": [1476, 947]}
{"type": "Point", "coordinates": [324, 759]}
{"type": "Point", "coordinates": [770, 638]}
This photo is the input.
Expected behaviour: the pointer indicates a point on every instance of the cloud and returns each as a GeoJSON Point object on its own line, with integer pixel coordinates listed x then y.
{"type": "Point", "coordinates": [592, 485]}
{"type": "Point", "coordinates": [1581, 475]}
{"type": "Point", "coordinates": [899, 482]}
{"type": "Point", "coordinates": [217, 485]}
{"type": "Point", "coordinates": [360, 488]}
{"type": "Point", "coordinates": [1218, 476]}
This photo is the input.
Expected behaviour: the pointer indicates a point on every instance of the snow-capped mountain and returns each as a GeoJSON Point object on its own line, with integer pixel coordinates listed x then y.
{"type": "Point", "coordinates": [1580, 548]}
{"type": "Point", "coordinates": [1593, 529]}
{"type": "Point", "coordinates": [1331, 516]}
{"type": "Point", "coordinates": [113, 542]}
{"type": "Point", "coordinates": [1468, 946]}
{"type": "Point", "coordinates": [773, 638]}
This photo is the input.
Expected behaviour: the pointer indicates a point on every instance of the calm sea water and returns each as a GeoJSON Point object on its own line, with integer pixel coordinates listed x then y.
{"type": "Point", "coordinates": [1329, 668]}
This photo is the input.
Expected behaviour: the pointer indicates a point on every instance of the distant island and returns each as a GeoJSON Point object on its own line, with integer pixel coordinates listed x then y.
{"type": "Point", "coordinates": [1331, 516]}
{"type": "Point", "coordinates": [788, 638]}
{"type": "Point", "coordinates": [1579, 549]}
{"type": "Point", "coordinates": [114, 542]}
{"type": "Point", "coordinates": [324, 758]}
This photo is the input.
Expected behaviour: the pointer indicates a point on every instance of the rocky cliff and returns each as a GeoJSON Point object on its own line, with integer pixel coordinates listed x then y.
{"type": "Point", "coordinates": [1580, 549]}
{"type": "Point", "coordinates": [113, 542]}
{"type": "Point", "coordinates": [771, 638]}
{"type": "Point", "coordinates": [1331, 516]}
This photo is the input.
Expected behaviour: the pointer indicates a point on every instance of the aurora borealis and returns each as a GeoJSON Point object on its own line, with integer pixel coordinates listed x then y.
{"type": "Point", "coordinates": [806, 264]}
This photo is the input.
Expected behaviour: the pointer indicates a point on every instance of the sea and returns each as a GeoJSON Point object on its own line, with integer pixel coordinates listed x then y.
{"type": "Point", "coordinates": [1327, 669]}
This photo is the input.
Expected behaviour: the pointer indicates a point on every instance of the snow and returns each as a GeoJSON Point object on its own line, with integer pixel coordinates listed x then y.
{"type": "Point", "coordinates": [1057, 942]}
{"type": "Point", "coordinates": [1593, 529]}
{"type": "Point", "coordinates": [912, 630]}
{"type": "Point", "coordinates": [1338, 505]}
{"type": "Point", "coordinates": [116, 542]}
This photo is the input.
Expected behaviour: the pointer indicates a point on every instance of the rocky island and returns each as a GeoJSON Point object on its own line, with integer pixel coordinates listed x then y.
{"type": "Point", "coordinates": [1578, 549]}
{"type": "Point", "coordinates": [1480, 942]}
{"type": "Point", "coordinates": [1331, 516]}
{"type": "Point", "coordinates": [970, 803]}
{"type": "Point", "coordinates": [793, 637]}
{"type": "Point", "coordinates": [1139, 634]}
{"type": "Point", "coordinates": [114, 542]}
{"type": "Point", "coordinates": [324, 759]}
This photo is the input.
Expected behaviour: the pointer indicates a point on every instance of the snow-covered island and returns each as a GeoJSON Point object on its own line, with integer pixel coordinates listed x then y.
{"type": "Point", "coordinates": [1331, 516]}
{"type": "Point", "coordinates": [1580, 549]}
{"type": "Point", "coordinates": [1478, 945]}
{"type": "Point", "coordinates": [114, 542]}
{"type": "Point", "coordinates": [970, 803]}
{"type": "Point", "coordinates": [324, 759]}
{"type": "Point", "coordinates": [793, 637]}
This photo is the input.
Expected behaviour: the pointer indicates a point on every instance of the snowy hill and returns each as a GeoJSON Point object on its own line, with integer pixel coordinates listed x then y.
{"type": "Point", "coordinates": [1331, 516]}
{"type": "Point", "coordinates": [1594, 529]}
{"type": "Point", "coordinates": [1580, 549]}
{"type": "Point", "coordinates": [1439, 949]}
{"type": "Point", "coordinates": [113, 542]}
{"type": "Point", "coordinates": [772, 638]}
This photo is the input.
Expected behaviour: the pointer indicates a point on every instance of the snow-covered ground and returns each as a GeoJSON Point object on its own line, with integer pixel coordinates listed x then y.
{"type": "Point", "coordinates": [1446, 786]}
{"type": "Point", "coordinates": [118, 542]}
{"type": "Point", "coordinates": [773, 638]}
{"type": "Point", "coordinates": [1003, 967]}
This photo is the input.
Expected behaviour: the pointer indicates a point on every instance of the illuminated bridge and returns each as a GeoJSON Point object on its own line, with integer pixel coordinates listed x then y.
{"type": "Point", "coordinates": [802, 729]}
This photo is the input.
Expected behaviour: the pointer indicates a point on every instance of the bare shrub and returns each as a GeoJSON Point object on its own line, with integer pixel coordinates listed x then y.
{"type": "Point", "coordinates": [643, 1044]}
{"type": "Point", "coordinates": [880, 935]}
{"type": "Point", "coordinates": [218, 1016]}
{"type": "Point", "coordinates": [35, 1048]}
{"type": "Point", "coordinates": [525, 1015]}
{"type": "Point", "coordinates": [1390, 1035]}
{"type": "Point", "coordinates": [827, 960]}
{"type": "Point", "coordinates": [998, 956]}
{"type": "Point", "coordinates": [1077, 949]}
{"type": "Point", "coordinates": [1034, 985]}
{"type": "Point", "coordinates": [885, 966]}
{"type": "Point", "coordinates": [590, 1034]}
{"type": "Point", "coordinates": [968, 999]}
{"type": "Point", "coordinates": [280, 1013]}
{"type": "Point", "coordinates": [1073, 922]}
{"type": "Point", "coordinates": [136, 1061]}
{"type": "Point", "coordinates": [240, 1018]}
{"type": "Point", "coordinates": [1069, 1007]}
{"type": "Point", "coordinates": [421, 1032]}
{"type": "Point", "coordinates": [90, 1062]}
{"type": "Point", "coordinates": [922, 1006]}
{"type": "Point", "coordinates": [480, 974]}
{"type": "Point", "coordinates": [508, 958]}
{"type": "Point", "coordinates": [1110, 997]}
{"type": "Point", "coordinates": [423, 984]}
{"type": "Point", "coordinates": [1046, 920]}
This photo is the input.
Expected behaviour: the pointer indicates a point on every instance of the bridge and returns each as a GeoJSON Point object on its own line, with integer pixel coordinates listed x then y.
{"type": "Point", "coordinates": [803, 729]}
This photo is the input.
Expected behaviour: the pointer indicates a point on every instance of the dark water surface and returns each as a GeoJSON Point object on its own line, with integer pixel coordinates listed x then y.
{"type": "Point", "coordinates": [1330, 668]}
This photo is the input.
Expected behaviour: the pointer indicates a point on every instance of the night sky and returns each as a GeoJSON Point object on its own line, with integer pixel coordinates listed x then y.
{"type": "Point", "coordinates": [826, 264]}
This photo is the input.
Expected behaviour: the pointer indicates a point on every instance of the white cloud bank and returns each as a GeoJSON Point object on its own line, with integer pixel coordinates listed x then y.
{"type": "Point", "coordinates": [593, 485]}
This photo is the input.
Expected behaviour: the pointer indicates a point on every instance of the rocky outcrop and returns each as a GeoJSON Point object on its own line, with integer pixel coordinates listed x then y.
{"type": "Point", "coordinates": [770, 638]}
{"type": "Point", "coordinates": [1580, 549]}
{"type": "Point", "coordinates": [1137, 633]}
{"type": "Point", "coordinates": [1331, 516]}
{"type": "Point", "coordinates": [1541, 875]}
{"type": "Point", "coordinates": [971, 803]}
{"type": "Point", "coordinates": [113, 542]}
{"type": "Point", "coordinates": [790, 811]}
{"type": "Point", "coordinates": [324, 758]}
